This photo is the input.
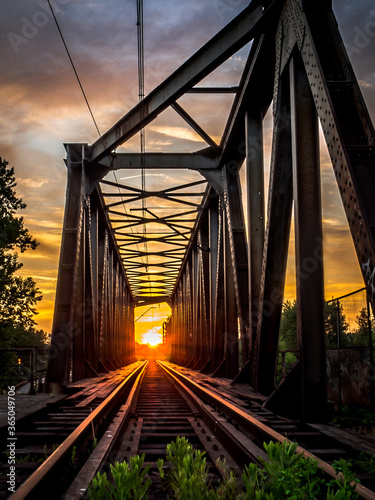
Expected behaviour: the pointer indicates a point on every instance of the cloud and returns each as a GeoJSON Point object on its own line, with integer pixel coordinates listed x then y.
{"type": "Point", "coordinates": [179, 133]}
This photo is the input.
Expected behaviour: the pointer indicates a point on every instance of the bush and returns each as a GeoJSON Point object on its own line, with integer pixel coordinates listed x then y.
{"type": "Point", "coordinates": [285, 475]}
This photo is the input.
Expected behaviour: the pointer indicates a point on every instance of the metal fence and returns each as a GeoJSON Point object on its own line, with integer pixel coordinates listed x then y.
{"type": "Point", "coordinates": [350, 329]}
{"type": "Point", "coordinates": [350, 335]}
{"type": "Point", "coordinates": [23, 367]}
{"type": "Point", "coordinates": [349, 321]}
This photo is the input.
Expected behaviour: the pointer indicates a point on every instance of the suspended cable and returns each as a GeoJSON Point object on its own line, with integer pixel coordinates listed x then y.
{"type": "Point", "coordinates": [83, 93]}
{"type": "Point", "coordinates": [141, 95]}
{"type": "Point", "coordinates": [74, 69]}
{"type": "Point", "coordinates": [141, 91]}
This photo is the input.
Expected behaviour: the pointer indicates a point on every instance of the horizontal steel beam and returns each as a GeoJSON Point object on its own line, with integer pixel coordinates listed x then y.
{"type": "Point", "coordinates": [157, 299]}
{"type": "Point", "coordinates": [213, 90]}
{"type": "Point", "coordinates": [192, 161]}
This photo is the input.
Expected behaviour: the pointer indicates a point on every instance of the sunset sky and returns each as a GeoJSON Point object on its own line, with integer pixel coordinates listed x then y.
{"type": "Point", "coordinates": [41, 107]}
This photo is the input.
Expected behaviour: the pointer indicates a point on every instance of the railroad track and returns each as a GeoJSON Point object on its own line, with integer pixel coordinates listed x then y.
{"type": "Point", "coordinates": [148, 410]}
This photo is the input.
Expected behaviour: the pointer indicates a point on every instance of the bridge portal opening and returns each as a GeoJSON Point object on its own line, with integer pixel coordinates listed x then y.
{"type": "Point", "coordinates": [149, 320]}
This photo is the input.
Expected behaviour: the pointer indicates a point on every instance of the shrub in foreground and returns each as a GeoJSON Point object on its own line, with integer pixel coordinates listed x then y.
{"type": "Point", "coordinates": [185, 476]}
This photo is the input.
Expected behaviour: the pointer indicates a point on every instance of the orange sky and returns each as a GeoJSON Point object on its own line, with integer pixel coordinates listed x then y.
{"type": "Point", "coordinates": [41, 107]}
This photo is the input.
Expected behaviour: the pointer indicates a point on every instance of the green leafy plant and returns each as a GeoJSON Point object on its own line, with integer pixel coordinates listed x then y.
{"type": "Point", "coordinates": [365, 463]}
{"type": "Point", "coordinates": [35, 458]}
{"type": "Point", "coordinates": [285, 475]}
{"type": "Point", "coordinates": [345, 480]}
{"type": "Point", "coordinates": [129, 482]}
{"type": "Point", "coordinates": [74, 458]}
{"type": "Point", "coordinates": [185, 476]}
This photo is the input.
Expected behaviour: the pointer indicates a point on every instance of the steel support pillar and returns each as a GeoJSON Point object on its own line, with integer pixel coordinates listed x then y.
{"type": "Point", "coordinates": [238, 256]}
{"type": "Point", "coordinates": [219, 300]}
{"type": "Point", "coordinates": [89, 330]}
{"type": "Point", "coordinates": [309, 245]}
{"type": "Point", "coordinates": [276, 245]}
{"type": "Point", "coordinates": [255, 215]}
{"type": "Point", "coordinates": [213, 243]}
{"type": "Point", "coordinates": [230, 310]}
{"type": "Point", "coordinates": [63, 329]}
{"type": "Point", "coordinates": [203, 245]}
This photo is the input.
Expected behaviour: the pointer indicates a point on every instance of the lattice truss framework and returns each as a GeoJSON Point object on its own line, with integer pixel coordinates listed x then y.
{"type": "Point", "coordinates": [152, 240]}
{"type": "Point", "coordinates": [192, 250]}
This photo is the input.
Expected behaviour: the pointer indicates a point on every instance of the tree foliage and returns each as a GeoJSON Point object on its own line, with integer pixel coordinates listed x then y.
{"type": "Point", "coordinates": [18, 295]}
{"type": "Point", "coordinates": [361, 337]}
{"type": "Point", "coordinates": [288, 326]}
{"type": "Point", "coordinates": [334, 319]}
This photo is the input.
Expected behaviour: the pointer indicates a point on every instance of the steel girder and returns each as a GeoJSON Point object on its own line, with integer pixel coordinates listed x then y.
{"type": "Point", "coordinates": [226, 287]}
{"type": "Point", "coordinates": [93, 326]}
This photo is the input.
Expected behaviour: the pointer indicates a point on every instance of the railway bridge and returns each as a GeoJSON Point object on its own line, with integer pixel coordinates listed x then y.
{"type": "Point", "coordinates": [192, 242]}
{"type": "Point", "coordinates": [199, 235]}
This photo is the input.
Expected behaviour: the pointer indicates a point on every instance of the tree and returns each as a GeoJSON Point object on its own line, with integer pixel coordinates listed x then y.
{"type": "Point", "coordinates": [361, 336]}
{"type": "Point", "coordinates": [288, 326]}
{"type": "Point", "coordinates": [18, 295]}
{"type": "Point", "coordinates": [334, 319]}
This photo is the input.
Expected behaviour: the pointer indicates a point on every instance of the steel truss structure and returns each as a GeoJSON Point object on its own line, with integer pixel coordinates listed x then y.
{"type": "Point", "coordinates": [223, 280]}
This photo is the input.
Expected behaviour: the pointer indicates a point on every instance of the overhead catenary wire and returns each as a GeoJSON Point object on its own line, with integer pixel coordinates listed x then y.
{"type": "Point", "coordinates": [81, 87]}
{"type": "Point", "coordinates": [141, 95]}
{"type": "Point", "coordinates": [74, 68]}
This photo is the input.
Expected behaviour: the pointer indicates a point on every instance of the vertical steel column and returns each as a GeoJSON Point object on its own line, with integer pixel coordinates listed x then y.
{"type": "Point", "coordinates": [309, 251]}
{"type": "Point", "coordinates": [255, 215]}
{"type": "Point", "coordinates": [203, 241]}
{"type": "Point", "coordinates": [238, 255]}
{"type": "Point", "coordinates": [194, 307]}
{"type": "Point", "coordinates": [182, 324]}
{"type": "Point", "coordinates": [213, 235]}
{"type": "Point", "coordinates": [174, 340]}
{"type": "Point", "coordinates": [94, 259]}
{"type": "Point", "coordinates": [87, 312]}
{"type": "Point", "coordinates": [184, 316]}
{"type": "Point", "coordinates": [63, 328]}
{"type": "Point", "coordinates": [178, 325]}
{"type": "Point", "coordinates": [118, 315]}
{"type": "Point", "coordinates": [131, 329]}
{"type": "Point", "coordinates": [78, 305]}
{"type": "Point", "coordinates": [117, 310]}
{"type": "Point", "coordinates": [122, 333]}
{"type": "Point", "coordinates": [102, 302]}
{"type": "Point", "coordinates": [172, 332]}
{"type": "Point", "coordinates": [219, 302]}
{"type": "Point", "coordinates": [275, 254]}
{"type": "Point", "coordinates": [230, 309]}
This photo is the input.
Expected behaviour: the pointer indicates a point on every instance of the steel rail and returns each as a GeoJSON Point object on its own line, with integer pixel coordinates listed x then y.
{"type": "Point", "coordinates": [107, 443]}
{"type": "Point", "coordinates": [251, 424]}
{"type": "Point", "coordinates": [34, 486]}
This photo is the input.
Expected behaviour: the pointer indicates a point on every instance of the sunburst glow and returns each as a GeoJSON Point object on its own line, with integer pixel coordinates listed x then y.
{"type": "Point", "coordinates": [152, 337]}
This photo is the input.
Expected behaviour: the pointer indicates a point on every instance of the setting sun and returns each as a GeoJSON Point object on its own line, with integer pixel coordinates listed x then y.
{"type": "Point", "coordinates": [152, 337]}
{"type": "Point", "coordinates": [149, 323]}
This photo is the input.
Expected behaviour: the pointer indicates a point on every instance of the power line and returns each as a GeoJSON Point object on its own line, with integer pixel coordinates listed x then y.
{"type": "Point", "coordinates": [141, 96]}
{"type": "Point", "coordinates": [74, 69]}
